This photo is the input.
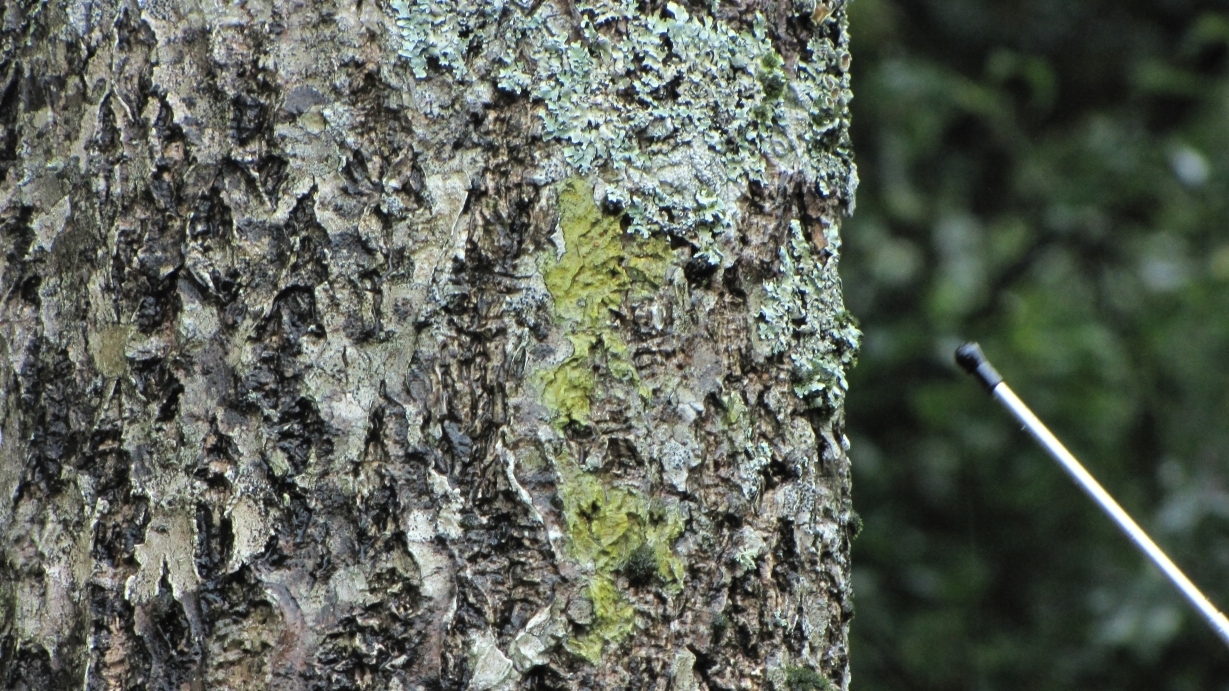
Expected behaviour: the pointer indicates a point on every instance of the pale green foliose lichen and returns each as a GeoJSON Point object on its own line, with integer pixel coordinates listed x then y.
{"type": "Point", "coordinates": [441, 30]}
{"type": "Point", "coordinates": [677, 116]}
{"type": "Point", "coordinates": [802, 317]}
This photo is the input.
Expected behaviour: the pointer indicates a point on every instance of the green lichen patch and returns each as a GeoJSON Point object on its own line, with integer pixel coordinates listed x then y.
{"type": "Point", "coordinates": [600, 266]}
{"type": "Point", "coordinates": [612, 530]}
{"type": "Point", "coordinates": [568, 388]}
{"type": "Point", "coordinates": [613, 619]}
{"type": "Point", "coordinates": [608, 525]}
{"type": "Point", "coordinates": [588, 279]}
{"type": "Point", "coordinates": [600, 262]}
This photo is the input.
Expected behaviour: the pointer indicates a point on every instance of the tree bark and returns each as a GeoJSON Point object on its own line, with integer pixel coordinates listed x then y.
{"type": "Point", "coordinates": [423, 345]}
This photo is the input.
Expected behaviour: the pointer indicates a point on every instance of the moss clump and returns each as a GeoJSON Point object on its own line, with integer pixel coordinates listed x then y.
{"type": "Point", "coordinates": [641, 565]}
{"type": "Point", "coordinates": [772, 79]}
{"type": "Point", "coordinates": [855, 525]}
{"type": "Point", "coordinates": [806, 679]}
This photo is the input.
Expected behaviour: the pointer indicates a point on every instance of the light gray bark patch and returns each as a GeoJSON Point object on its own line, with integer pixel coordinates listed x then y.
{"type": "Point", "coordinates": [682, 674]}
{"type": "Point", "coordinates": [301, 98]}
{"type": "Point", "coordinates": [167, 552]}
{"type": "Point", "coordinates": [492, 669]}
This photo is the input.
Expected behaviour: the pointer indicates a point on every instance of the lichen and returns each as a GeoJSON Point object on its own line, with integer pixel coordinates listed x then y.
{"type": "Point", "coordinates": [607, 525]}
{"type": "Point", "coordinates": [599, 267]}
{"type": "Point", "coordinates": [589, 279]}
{"type": "Point", "coordinates": [610, 528]}
{"type": "Point", "coordinates": [803, 318]}
{"type": "Point", "coordinates": [441, 31]}
{"type": "Point", "coordinates": [613, 619]}
{"type": "Point", "coordinates": [568, 388]}
{"type": "Point", "coordinates": [675, 117]}
{"type": "Point", "coordinates": [772, 79]}
{"type": "Point", "coordinates": [739, 424]}
{"type": "Point", "coordinates": [677, 113]}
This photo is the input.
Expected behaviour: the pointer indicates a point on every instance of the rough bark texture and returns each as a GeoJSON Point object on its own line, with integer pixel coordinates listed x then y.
{"type": "Point", "coordinates": [418, 345]}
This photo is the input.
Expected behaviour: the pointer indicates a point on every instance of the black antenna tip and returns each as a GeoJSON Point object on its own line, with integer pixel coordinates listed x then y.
{"type": "Point", "coordinates": [972, 360]}
{"type": "Point", "coordinates": [970, 356]}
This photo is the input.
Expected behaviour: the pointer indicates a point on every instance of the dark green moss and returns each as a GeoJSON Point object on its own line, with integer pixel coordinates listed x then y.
{"type": "Point", "coordinates": [771, 77]}
{"type": "Point", "coordinates": [855, 525]}
{"type": "Point", "coordinates": [805, 679]}
{"type": "Point", "coordinates": [773, 83]}
{"type": "Point", "coordinates": [641, 565]}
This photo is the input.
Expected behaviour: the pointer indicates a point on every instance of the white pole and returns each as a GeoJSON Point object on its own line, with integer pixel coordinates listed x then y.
{"type": "Point", "coordinates": [971, 358]}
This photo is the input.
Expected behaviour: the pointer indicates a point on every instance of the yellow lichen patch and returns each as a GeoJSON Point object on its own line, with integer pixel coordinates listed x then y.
{"type": "Point", "coordinates": [611, 530]}
{"type": "Point", "coordinates": [607, 524]}
{"type": "Point", "coordinates": [600, 266]}
{"type": "Point", "coordinates": [606, 527]}
{"type": "Point", "coordinates": [589, 279]}
{"type": "Point", "coordinates": [567, 388]}
{"type": "Point", "coordinates": [613, 620]}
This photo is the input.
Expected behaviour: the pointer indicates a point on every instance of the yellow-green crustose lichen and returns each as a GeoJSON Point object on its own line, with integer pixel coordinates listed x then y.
{"type": "Point", "coordinates": [600, 265]}
{"type": "Point", "coordinates": [609, 528]}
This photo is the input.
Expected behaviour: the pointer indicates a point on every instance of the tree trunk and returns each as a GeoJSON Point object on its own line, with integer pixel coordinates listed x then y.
{"type": "Point", "coordinates": [423, 345]}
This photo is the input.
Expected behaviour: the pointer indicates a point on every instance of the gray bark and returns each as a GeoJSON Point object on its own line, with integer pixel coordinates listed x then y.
{"type": "Point", "coordinates": [423, 345]}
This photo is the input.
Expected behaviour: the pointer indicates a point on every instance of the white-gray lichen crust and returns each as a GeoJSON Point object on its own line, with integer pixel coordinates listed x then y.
{"type": "Point", "coordinates": [801, 302]}
{"type": "Point", "coordinates": [716, 101]}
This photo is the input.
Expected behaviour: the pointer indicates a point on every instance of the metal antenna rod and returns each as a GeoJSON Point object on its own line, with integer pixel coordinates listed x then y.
{"type": "Point", "coordinates": [971, 358]}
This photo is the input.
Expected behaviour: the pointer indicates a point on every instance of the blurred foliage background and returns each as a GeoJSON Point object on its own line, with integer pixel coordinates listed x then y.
{"type": "Point", "coordinates": [1051, 178]}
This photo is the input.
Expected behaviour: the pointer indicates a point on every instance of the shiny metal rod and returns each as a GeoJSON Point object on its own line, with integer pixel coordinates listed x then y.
{"type": "Point", "coordinates": [970, 357]}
